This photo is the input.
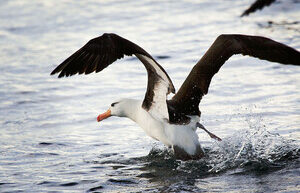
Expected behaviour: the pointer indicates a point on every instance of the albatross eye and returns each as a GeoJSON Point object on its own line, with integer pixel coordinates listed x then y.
{"type": "Point", "coordinates": [113, 104]}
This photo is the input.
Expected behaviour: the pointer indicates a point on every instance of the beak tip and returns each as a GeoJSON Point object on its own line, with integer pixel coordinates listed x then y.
{"type": "Point", "coordinates": [104, 115]}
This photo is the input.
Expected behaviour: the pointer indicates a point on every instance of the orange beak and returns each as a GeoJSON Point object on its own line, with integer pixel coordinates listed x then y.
{"type": "Point", "coordinates": [104, 115]}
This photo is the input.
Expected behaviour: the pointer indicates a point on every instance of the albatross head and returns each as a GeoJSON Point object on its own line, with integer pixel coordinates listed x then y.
{"type": "Point", "coordinates": [120, 108]}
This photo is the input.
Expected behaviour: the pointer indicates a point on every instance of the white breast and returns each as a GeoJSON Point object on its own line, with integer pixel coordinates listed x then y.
{"type": "Point", "coordinates": [170, 134]}
{"type": "Point", "coordinates": [153, 127]}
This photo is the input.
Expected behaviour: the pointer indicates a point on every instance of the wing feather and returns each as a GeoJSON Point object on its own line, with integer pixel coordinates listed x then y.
{"type": "Point", "coordinates": [102, 51]}
{"type": "Point", "coordinates": [196, 84]}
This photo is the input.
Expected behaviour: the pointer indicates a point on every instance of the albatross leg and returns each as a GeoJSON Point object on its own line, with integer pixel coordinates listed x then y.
{"type": "Point", "coordinates": [209, 133]}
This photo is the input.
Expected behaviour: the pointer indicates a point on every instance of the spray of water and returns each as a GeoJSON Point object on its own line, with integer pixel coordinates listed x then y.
{"type": "Point", "coordinates": [252, 149]}
{"type": "Point", "coordinates": [254, 144]}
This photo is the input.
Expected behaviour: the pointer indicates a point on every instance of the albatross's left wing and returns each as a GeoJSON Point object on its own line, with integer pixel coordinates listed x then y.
{"type": "Point", "coordinates": [196, 84]}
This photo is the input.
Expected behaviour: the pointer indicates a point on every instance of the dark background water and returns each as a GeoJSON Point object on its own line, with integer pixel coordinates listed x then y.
{"type": "Point", "coordinates": [50, 140]}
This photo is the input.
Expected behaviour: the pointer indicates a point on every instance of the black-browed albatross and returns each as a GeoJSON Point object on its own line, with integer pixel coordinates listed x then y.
{"type": "Point", "coordinates": [173, 122]}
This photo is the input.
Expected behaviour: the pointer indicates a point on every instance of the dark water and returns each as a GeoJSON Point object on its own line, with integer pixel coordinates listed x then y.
{"type": "Point", "coordinates": [50, 140]}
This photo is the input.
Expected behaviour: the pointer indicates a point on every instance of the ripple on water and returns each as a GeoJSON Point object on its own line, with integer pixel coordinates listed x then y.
{"type": "Point", "coordinates": [95, 188]}
{"type": "Point", "coordinates": [161, 57]}
{"type": "Point", "coordinates": [42, 154]}
{"type": "Point", "coordinates": [69, 184]}
{"type": "Point", "coordinates": [105, 155]}
{"type": "Point", "coordinates": [48, 183]}
{"type": "Point", "coordinates": [5, 183]}
{"type": "Point", "coordinates": [51, 143]}
{"type": "Point", "coordinates": [121, 181]}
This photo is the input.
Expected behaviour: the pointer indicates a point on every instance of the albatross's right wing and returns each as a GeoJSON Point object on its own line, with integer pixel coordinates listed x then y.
{"type": "Point", "coordinates": [102, 51]}
{"type": "Point", "coordinates": [196, 84]}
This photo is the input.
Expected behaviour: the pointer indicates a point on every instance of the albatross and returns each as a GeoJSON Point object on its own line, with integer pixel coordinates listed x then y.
{"type": "Point", "coordinates": [172, 121]}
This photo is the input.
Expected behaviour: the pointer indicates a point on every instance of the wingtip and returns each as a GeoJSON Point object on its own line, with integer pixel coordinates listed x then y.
{"type": "Point", "coordinates": [56, 70]}
{"type": "Point", "coordinates": [243, 14]}
{"type": "Point", "coordinates": [52, 73]}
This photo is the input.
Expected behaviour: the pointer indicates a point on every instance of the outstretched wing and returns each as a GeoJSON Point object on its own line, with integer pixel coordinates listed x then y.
{"type": "Point", "coordinates": [196, 84]}
{"type": "Point", "coordinates": [102, 51]}
{"type": "Point", "coordinates": [258, 4]}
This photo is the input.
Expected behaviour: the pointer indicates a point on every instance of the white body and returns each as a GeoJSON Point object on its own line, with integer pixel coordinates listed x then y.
{"type": "Point", "coordinates": [183, 136]}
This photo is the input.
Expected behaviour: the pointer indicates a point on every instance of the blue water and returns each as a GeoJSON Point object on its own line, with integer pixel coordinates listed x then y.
{"type": "Point", "coordinates": [50, 140]}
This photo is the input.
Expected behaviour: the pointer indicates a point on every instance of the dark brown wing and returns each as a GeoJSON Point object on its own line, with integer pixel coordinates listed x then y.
{"type": "Point", "coordinates": [102, 51]}
{"type": "Point", "coordinates": [196, 84]}
{"type": "Point", "coordinates": [97, 54]}
{"type": "Point", "coordinates": [258, 4]}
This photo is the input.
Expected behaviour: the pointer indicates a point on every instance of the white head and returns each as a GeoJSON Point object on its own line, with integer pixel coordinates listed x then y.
{"type": "Point", "coordinates": [120, 108]}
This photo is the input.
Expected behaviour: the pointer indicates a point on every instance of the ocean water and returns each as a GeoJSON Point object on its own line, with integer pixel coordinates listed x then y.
{"type": "Point", "coordinates": [50, 140]}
